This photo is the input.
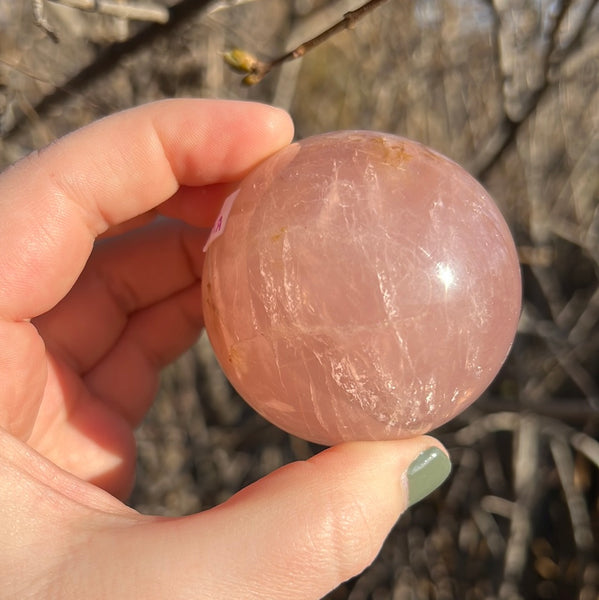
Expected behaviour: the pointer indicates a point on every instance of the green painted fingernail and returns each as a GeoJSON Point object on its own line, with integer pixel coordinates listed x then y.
{"type": "Point", "coordinates": [426, 473]}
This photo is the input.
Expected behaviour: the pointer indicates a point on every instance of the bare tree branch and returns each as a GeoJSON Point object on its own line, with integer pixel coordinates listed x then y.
{"type": "Point", "coordinates": [256, 70]}
{"type": "Point", "coordinates": [124, 10]}
{"type": "Point", "coordinates": [39, 17]}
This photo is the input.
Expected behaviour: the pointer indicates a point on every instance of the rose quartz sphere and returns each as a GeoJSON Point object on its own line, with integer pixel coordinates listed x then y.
{"type": "Point", "coordinates": [360, 286]}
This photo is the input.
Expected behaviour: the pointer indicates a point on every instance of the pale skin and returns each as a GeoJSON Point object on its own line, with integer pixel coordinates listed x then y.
{"type": "Point", "coordinates": [85, 327]}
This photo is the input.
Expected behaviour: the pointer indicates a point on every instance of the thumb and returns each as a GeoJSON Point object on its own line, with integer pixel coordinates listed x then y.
{"type": "Point", "coordinates": [295, 534]}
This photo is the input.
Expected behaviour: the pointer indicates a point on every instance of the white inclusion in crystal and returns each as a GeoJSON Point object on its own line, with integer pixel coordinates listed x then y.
{"type": "Point", "coordinates": [387, 291]}
{"type": "Point", "coordinates": [453, 398]}
{"type": "Point", "coordinates": [445, 275]}
{"type": "Point", "coordinates": [430, 387]}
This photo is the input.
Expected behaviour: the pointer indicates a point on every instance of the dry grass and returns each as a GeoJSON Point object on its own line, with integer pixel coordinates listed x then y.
{"type": "Point", "coordinates": [511, 91]}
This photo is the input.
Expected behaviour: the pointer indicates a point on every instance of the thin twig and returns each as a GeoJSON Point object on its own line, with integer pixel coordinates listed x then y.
{"type": "Point", "coordinates": [256, 70]}
{"type": "Point", "coordinates": [134, 12]}
{"type": "Point", "coordinates": [489, 529]}
{"type": "Point", "coordinates": [586, 445]}
{"type": "Point", "coordinates": [526, 466]}
{"type": "Point", "coordinates": [579, 514]}
{"type": "Point", "coordinates": [565, 355]}
{"type": "Point", "coordinates": [569, 409]}
{"type": "Point", "coordinates": [499, 421]}
{"type": "Point", "coordinates": [39, 17]}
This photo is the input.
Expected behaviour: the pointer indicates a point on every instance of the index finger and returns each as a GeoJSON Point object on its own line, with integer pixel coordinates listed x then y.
{"type": "Point", "coordinates": [54, 203]}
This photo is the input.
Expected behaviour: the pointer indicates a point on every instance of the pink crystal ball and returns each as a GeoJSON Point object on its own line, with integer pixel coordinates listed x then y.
{"type": "Point", "coordinates": [360, 286]}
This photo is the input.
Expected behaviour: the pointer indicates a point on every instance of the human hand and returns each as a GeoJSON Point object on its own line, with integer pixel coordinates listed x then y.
{"type": "Point", "coordinates": [85, 327]}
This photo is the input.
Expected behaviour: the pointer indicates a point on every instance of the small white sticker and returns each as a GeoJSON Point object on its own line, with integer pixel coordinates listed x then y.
{"type": "Point", "coordinates": [221, 220]}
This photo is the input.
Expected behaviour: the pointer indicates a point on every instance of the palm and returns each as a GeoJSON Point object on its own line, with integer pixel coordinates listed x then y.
{"type": "Point", "coordinates": [81, 434]}
{"type": "Point", "coordinates": [124, 318]}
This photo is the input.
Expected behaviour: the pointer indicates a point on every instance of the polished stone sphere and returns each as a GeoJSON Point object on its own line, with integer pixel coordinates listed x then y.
{"type": "Point", "coordinates": [360, 286]}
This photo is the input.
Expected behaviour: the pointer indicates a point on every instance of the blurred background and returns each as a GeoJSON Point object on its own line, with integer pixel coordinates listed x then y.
{"type": "Point", "coordinates": [507, 88]}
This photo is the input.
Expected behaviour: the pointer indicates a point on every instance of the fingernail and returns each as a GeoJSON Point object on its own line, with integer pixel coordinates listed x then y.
{"type": "Point", "coordinates": [426, 473]}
